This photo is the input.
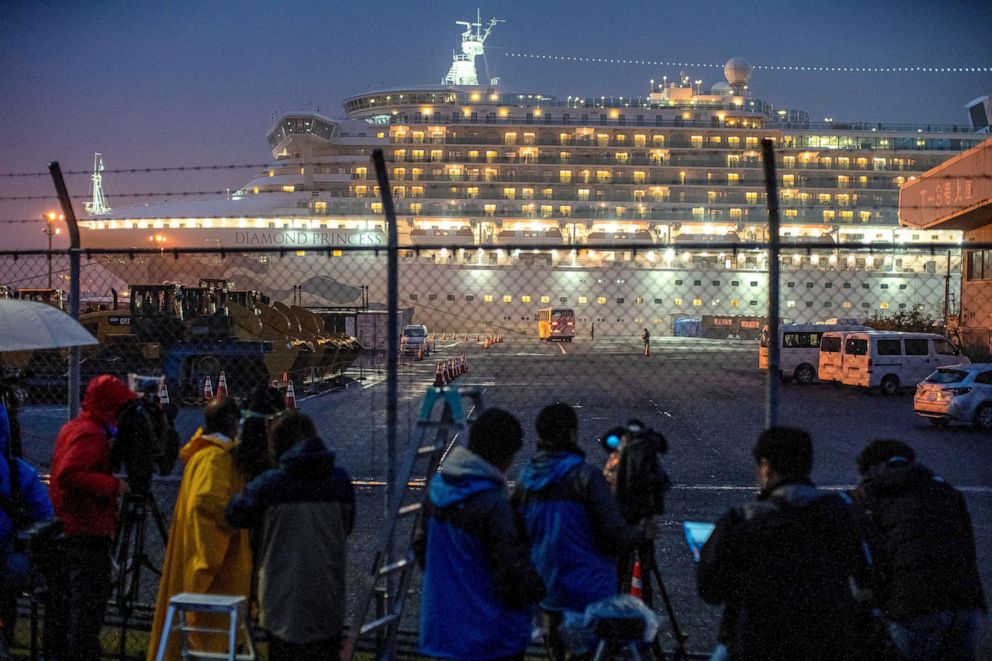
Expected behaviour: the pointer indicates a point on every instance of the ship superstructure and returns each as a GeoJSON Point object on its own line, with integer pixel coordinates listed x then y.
{"type": "Point", "coordinates": [480, 170]}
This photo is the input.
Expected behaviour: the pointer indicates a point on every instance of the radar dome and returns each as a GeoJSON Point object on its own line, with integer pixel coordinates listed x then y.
{"type": "Point", "coordinates": [738, 71]}
{"type": "Point", "coordinates": [721, 89]}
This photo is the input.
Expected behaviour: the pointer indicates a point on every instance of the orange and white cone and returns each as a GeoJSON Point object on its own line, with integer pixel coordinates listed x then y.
{"type": "Point", "coordinates": [456, 367]}
{"type": "Point", "coordinates": [290, 396]}
{"type": "Point", "coordinates": [464, 365]}
{"type": "Point", "coordinates": [438, 377]}
{"type": "Point", "coordinates": [647, 349]}
{"type": "Point", "coordinates": [208, 390]}
{"type": "Point", "coordinates": [477, 337]}
{"type": "Point", "coordinates": [222, 385]}
{"type": "Point", "coordinates": [636, 586]}
{"type": "Point", "coordinates": [163, 395]}
{"type": "Point", "coordinates": [446, 371]}
{"type": "Point", "coordinates": [420, 352]}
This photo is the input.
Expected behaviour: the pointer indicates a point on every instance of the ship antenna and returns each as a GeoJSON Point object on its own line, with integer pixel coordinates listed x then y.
{"type": "Point", "coordinates": [98, 202]}
{"type": "Point", "coordinates": [463, 71]}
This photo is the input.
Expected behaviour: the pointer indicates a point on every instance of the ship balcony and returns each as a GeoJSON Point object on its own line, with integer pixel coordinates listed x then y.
{"type": "Point", "coordinates": [452, 237]}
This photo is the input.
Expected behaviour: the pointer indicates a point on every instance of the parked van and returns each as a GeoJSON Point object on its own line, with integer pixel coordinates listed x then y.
{"type": "Point", "coordinates": [414, 336]}
{"type": "Point", "coordinates": [891, 360]}
{"type": "Point", "coordinates": [799, 349]}
{"type": "Point", "coordinates": [830, 366]}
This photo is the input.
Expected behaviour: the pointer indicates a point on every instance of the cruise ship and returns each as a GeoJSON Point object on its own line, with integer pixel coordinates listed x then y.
{"type": "Point", "coordinates": [511, 201]}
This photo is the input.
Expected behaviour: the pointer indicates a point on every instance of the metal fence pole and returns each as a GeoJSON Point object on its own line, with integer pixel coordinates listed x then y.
{"type": "Point", "coordinates": [772, 378]}
{"type": "Point", "coordinates": [70, 220]}
{"type": "Point", "coordinates": [392, 319]}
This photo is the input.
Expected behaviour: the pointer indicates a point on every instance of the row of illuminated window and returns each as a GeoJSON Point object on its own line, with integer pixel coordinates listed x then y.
{"type": "Point", "coordinates": [678, 301]}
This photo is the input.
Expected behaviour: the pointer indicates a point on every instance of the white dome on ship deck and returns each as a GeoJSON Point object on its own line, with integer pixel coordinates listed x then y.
{"type": "Point", "coordinates": [737, 70]}
{"type": "Point", "coordinates": [721, 88]}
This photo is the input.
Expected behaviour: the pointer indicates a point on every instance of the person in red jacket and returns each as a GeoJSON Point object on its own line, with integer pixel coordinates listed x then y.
{"type": "Point", "coordinates": [85, 494]}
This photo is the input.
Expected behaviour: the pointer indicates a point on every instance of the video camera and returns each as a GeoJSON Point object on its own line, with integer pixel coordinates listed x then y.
{"type": "Point", "coordinates": [641, 479]}
{"type": "Point", "coordinates": [146, 435]}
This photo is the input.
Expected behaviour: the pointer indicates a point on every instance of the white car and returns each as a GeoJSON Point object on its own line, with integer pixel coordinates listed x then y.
{"type": "Point", "coordinates": [414, 336]}
{"type": "Point", "coordinates": [959, 393]}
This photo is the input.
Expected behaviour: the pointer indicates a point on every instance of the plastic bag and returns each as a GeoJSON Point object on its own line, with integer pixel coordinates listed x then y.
{"type": "Point", "coordinates": [622, 617]}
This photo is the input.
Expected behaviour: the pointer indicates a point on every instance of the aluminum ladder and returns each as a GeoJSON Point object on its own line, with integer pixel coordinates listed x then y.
{"type": "Point", "coordinates": [392, 568]}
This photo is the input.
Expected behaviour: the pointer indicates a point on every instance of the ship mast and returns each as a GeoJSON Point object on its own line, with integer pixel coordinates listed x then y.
{"type": "Point", "coordinates": [98, 203]}
{"type": "Point", "coordinates": [463, 71]}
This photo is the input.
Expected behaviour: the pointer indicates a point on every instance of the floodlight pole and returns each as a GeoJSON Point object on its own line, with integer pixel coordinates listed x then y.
{"type": "Point", "coordinates": [772, 378]}
{"type": "Point", "coordinates": [70, 220]}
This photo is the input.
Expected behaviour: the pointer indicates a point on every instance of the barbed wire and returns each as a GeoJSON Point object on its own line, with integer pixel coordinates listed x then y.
{"type": "Point", "coordinates": [168, 168]}
{"type": "Point", "coordinates": [767, 67]}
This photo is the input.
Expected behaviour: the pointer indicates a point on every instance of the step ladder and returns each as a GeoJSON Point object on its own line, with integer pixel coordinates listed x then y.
{"type": "Point", "coordinates": [393, 565]}
{"type": "Point", "coordinates": [188, 602]}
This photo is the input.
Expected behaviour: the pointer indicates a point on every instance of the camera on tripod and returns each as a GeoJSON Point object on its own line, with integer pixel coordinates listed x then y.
{"type": "Point", "coordinates": [641, 480]}
{"type": "Point", "coordinates": [146, 435]}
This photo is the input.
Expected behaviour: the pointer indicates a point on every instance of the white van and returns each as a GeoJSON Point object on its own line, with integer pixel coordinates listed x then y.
{"type": "Point", "coordinates": [890, 360]}
{"type": "Point", "coordinates": [799, 349]}
{"type": "Point", "coordinates": [414, 336]}
{"type": "Point", "coordinates": [830, 366]}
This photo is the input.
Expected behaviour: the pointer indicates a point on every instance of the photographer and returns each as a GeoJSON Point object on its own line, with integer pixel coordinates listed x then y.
{"type": "Point", "coordinates": [85, 495]}
{"type": "Point", "coordinates": [573, 521]}
{"type": "Point", "coordinates": [146, 436]}
{"type": "Point", "coordinates": [640, 483]}
{"type": "Point", "coordinates": [23, 501]}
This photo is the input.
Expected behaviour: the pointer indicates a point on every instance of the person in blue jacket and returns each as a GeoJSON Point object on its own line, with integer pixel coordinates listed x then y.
{"type": "Point", "coordinates": [479, 586]}
{"type": "Point", "coordinates": [573, 521]}
{"type": "Point", "coordinates": [20, 506]}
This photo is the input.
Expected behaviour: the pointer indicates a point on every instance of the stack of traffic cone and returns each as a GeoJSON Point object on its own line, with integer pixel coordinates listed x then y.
{"type": "Point", "coordinates": [208, 390]}
{"type": "Point", "coordinates": [290, 396]}
{"type": "Point", "coordinates": [163, 395]}
{"type": "Point", "coordinates": [636, 587]}
{"type": "Point", "coordinates": [222, 385]}
{"type": "Point", "coordinates": [464, 365]}
{"type": "Point", "coordinates": [438, 377]}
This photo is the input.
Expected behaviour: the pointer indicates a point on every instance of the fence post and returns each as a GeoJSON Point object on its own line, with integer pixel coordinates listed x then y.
{"type": "Point", "coordinates": [70, 218]}
{"type": "Point", "coordinates": [392, 332]}
{"type": "Point", "coordinates": [772, 378]}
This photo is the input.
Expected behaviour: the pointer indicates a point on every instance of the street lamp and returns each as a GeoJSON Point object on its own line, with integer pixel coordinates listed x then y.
{"type": "Point", "coordinates": [50, 230]}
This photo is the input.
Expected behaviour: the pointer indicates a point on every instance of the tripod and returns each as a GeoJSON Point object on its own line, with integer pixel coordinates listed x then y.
{"type": "Point", "coordinates": [129, 553]}
{"type": "Point", "coordinates": [645, 555]}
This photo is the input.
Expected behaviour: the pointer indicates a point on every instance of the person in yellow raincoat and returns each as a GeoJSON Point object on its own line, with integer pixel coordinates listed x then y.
{"type": "Point", "coordinates": [204, 554]}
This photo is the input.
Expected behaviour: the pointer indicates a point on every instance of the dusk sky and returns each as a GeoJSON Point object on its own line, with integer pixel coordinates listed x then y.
{"type": "Point", "coordinates": [195, 83]}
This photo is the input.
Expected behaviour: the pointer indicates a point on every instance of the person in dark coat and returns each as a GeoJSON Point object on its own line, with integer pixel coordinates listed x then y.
{"type": "Point", "coordinates": [921, 539]}
{"type": "Point", "coordinates": [573, 521]}
{"type": "Point", "coordinates": [86, 496]}
{"type": "Point", "coordinates": [306, 510]}
{"type": "Point", "coordinates": [479, 586]}
{"type": "Point", "coordinates": [23, 501]}
{"type": "Point", "coordinates": [783, 564]}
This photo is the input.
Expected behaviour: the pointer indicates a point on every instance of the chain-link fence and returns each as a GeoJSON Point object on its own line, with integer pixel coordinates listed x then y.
{"type": "Point", "coordinates": [669, 334]}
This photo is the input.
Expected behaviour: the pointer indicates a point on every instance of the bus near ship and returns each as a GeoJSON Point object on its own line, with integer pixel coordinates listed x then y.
{"type": "Point", "coordinates": [511, 201]}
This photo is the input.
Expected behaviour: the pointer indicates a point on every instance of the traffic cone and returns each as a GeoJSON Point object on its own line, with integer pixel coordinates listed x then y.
{"type": "Point", "coordinates": [446, 372]}
{"type": "Point", "coordinates": [290, 396]}
{"type": "Point", "coordinates": [464, 365]}
{"type": "Point", "coordinates": [222, 385]}
{"type": "Point", "coordinates": [647, 349]}
{"type": "Point", "coordinates": [208, 390]}
{"type": "Point", "coordinates": [477, 338]}
{"type": "Point", "coordinates": [485, 343]}
{"type": "Point", "coordinates": [438, 377]}
{"type": "Point", "coordinates": [636, 587]}
{"type": "Point", "coordinates": [466, 337]}
{"type": "Point", "coordinates": [420, 352]}
{"type": "Point", "coordinates": [163, 395]}
{"type": "Point", "coordinates": [456, 368]}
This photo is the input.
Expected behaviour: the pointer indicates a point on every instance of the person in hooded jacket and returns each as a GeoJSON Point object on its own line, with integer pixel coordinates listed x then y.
{"type": "Point", "coordinates": [23, 501]}
{"type": "Point", "coordinates": [921, 539]}
{"type": "Point", "coordinates": [573, 521]}
{"type": "Point", "coordinates": [204, 554]}
{"type": "Point", "coordinates": [479, 586]}
{"type": "Point", "coordinates": [783, 564]}
{"type": "Point", "coordinates": [305, 510]}
{"type": "Point", "coordinates": [85, 495]}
